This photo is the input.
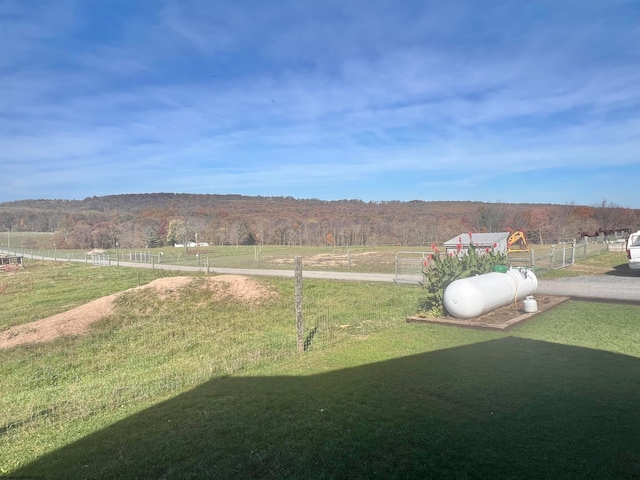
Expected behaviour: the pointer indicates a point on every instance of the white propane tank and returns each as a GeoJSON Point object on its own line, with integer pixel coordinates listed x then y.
{"type": "Point", "coordinates": [530, 305]}
{"type": "Point", "coordinates": [474, 296]}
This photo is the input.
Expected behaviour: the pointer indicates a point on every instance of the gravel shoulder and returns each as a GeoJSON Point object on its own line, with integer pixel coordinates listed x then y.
{"type": "Point", "coordinates": [621, 285]}
{"type": "Point", "coordinates": [596, 287]}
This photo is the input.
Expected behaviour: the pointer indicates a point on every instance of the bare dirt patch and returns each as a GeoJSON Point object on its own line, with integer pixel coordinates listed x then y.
{"type": "Point", "coordinates": [500, 318]}
{"type": "Point", "coordinates": [78, 320]}
{"type": "Point", "coordinates": [329, 259]}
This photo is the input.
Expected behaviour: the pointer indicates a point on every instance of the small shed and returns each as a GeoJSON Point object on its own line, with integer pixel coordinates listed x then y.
{"type": "Point", "coordinates": [9, 263]}
{"type": "Point", "coordinates": [482, 241]}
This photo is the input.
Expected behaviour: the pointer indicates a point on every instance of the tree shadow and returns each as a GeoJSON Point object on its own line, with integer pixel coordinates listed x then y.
{"type": "Point", "coordinates": [507, 408]}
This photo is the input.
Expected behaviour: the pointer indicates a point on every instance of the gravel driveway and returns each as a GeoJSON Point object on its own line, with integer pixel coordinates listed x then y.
{"type": "Point", "coordinates": [623, 285]}
{"type": "Point", "coordinates": [600, 287]}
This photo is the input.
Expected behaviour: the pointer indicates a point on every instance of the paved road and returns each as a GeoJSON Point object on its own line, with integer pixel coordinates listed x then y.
{"type": "Point", "coordinates": [367, 277]}
{"type": "Point", "coordinates": [598, 287]}
{"type": "Point", "coordinates": [624, 286]}
{"type": "Point", "coordinates": [601, 287]}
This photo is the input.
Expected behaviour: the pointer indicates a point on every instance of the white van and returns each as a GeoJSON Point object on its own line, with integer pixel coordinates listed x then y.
{"type": "Point", "coordinates": [633, 250]}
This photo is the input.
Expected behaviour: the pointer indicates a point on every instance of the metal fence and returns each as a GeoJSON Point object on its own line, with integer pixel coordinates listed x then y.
{"type": "Point", "coordinates": [140, 257]}
{"type": "Point", "coordinates": [617, 246]}
{"type": "Point", "coordinates": [409, 266]}
{"type": "Point", "coordinates": [326, 314]}
{"type": "Point", "coordinates": [560, 255]}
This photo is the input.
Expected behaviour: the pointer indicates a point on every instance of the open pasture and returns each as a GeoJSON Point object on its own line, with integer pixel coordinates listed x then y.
{"type": "Point", "coordinates": [192, 384]}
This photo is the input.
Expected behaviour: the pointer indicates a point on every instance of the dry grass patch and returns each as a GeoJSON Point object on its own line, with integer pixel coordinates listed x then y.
{"type": "Point", "coordinates": [78, 320]}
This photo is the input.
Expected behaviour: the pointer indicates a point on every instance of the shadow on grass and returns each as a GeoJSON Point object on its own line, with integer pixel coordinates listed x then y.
{"type": "Point", "coordinates": [507, 408]}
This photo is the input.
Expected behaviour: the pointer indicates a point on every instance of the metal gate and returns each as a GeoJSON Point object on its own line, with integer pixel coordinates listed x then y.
{"type": "Point", "coordinates": [140, 257]}
{"type": "Point", "coordinates": [100, 259]}
{"type": "Point", "coordinates": [409, 266]}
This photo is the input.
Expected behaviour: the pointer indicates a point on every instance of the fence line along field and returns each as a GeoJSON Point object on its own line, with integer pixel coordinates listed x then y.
{"type": "Point", "coordinates": [379, 259]}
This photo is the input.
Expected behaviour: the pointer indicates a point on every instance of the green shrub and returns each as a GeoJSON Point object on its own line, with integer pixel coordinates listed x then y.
{"type": "Point", "coordinates": [441, 270]}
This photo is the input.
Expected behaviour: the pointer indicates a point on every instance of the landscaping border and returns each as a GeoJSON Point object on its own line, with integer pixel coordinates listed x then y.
{"type": "Point", "coordinates": [478, 323]}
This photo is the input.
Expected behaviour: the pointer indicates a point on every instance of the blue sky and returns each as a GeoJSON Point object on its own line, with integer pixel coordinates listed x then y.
{"type": "Point", "coordinates": [488, 100]}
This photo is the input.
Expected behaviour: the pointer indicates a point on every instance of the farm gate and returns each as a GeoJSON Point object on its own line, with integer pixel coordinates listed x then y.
{"type": "Point", "coordinates": [409, 266]}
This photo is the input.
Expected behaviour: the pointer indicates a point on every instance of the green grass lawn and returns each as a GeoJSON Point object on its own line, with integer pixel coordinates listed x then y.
{"type": "Point", "coordinates": [47, 288]}
{"type": "Point", "coordinates": [192, 387]}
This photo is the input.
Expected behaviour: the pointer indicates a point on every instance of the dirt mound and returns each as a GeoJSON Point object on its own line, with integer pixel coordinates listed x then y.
{"type": "Point", "coordinates": [78, 320]}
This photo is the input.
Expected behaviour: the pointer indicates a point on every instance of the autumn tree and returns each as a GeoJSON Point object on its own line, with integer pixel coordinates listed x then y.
{"type": "Point", "coordinates": [490, 218]}
{"type": "Point", "coordinates": [80, 236]}
{"type": "Point", "coordinates": [104, 235]}
{"type": "Point", "coordinates": [178, 231]}
{"type": "Point", "coordinates": [536, 223]}
{"type": "Point", "coordinates": [238, 233]}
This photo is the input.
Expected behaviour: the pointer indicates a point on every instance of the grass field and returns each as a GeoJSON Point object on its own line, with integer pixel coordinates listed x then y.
{"type": "Point", "coordinates": [48, 288]}
{"type": "Point", "coordinates": [369, 259]}
{"type": "Point", "coordinates": [192, 387]}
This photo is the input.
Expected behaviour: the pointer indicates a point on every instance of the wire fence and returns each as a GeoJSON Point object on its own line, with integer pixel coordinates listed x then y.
{"type": "Point", "coordinates": [406, 265]}
{"type": "Point", "coordinates": [560, 255]}
{"type": "Point", "coordinates": [331, 315]}
{"type": "Point", "coordinates": [330, 311]}
{"type": "Point", "coordinates": [325, 313]}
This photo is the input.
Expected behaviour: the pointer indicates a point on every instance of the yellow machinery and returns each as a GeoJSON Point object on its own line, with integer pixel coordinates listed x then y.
{"type": "Point", "coordinates": [517, 242]}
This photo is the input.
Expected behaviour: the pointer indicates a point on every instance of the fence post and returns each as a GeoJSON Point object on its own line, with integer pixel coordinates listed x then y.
{"type": "Point", "coordinates": [552, 258]}
{"type": "Point", "coordinates": [533, 257]}
{"type": "Point", "coordinates": [573, 252]}
{"type": "Point", "coordinates": [297, 262]}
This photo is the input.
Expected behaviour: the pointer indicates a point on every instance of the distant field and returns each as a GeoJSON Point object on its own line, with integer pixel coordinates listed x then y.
{"type": "Point", "coordinates": [373, 259]}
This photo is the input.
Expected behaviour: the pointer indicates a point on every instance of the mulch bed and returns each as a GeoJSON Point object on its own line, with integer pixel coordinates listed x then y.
{"type": "Point", "coordinates": [500, 318]}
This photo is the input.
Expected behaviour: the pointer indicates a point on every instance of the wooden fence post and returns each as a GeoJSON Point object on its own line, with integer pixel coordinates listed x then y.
{"type": "Point", "coordinates": [297, 262]}
{"type": "Point", "coordinates": [552, 257]}
{"type": "Point", "coordinates": [533, 257]}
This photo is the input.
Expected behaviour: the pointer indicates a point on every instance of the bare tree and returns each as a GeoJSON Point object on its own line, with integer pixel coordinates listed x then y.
{"type": "Point", "coordinates": [490, 218]}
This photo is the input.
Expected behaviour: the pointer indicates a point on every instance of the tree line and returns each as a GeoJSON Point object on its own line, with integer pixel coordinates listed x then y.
{"type": "Point", "coordinates": [155, 220]}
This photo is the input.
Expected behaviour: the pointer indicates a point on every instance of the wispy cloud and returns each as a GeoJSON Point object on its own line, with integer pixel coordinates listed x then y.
{"type": "Point", "coordinates": [312, 99]}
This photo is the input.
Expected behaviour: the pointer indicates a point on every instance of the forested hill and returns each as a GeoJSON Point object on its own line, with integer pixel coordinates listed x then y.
{"type": "Point", "coordinates": [146, 220]}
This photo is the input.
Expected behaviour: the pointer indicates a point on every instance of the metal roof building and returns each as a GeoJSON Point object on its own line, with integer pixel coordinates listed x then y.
{"type": "Point", "coordinates": [480, 240]}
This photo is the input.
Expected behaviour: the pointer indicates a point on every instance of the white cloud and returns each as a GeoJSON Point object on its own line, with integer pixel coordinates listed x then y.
{"type": "Point", "coordinates": [357, 96]}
